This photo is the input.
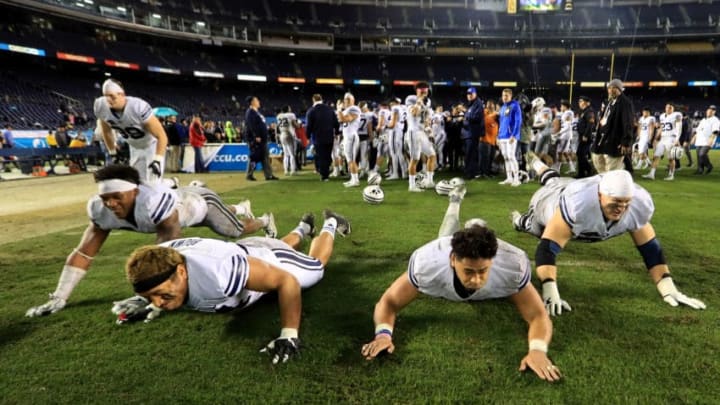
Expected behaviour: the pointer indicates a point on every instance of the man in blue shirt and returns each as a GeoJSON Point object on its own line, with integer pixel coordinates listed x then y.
{"type": "Point", "coordinates": [509, 136]}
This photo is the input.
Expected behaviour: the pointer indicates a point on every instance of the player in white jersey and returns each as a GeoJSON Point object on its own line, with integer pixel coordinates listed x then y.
{"type": "Point", "coordinates": [133, 119]}
{"type": "Point", "coordinates": [398, 164]}
{"type": "Point", "coordinates": [593, 209]}
{"type": "Point", "coordinates": [645, 134]}
{"type": "Point", "coordinates": [416, 139]}
{"type": "Point", "coordinates": [125, 202]}
{"type": "Point", "coordinates": [564, 151]}
{"type": "Point", "coordinates": [214, 276]}
{"type": "Point", "coordinates": [465, 265]}
{"type": "Point", "coordinates": [286, 123]}
{"type": "Point", "coordinates": [669, 129]}
{"type": "Point", "coordinates": [385, 117]}
{"type": "Point", "coordinates": [439, 136]}
{"type": "Point", "coordinates": [366, 134]}
{"type": "Point", "coordinates": [349, 117]}
{"type": "Point", "coordinates": [542, 125]}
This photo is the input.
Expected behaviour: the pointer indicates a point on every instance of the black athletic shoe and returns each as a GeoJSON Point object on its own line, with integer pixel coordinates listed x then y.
{"type": "Point", "coordinates": [309, 218]}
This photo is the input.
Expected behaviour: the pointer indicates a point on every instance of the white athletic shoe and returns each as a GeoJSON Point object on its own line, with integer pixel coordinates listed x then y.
{"type": "Point", "coordinates": [427, 184]}
{"type": "Point", "coordinates": [506, 181]}
{"type": "Point", "coordinates": [648, 176]}
{"type": "Point", "coordinates": [517, 220]}
{"type": "Point", "coordinates": [247, 211]}
{"type": "Point", "coordinates": [415, 189]}
{"type": "Point", "coordinates": [670, 177]}
{"type": "Point", "coordinates": [53, 305]}
{"type": "Point", "coordinates": [351, 183]}
{"type": "Point", "coordinates": [270, 228]}
{"type": "Point", "coordinates": [515, 184]}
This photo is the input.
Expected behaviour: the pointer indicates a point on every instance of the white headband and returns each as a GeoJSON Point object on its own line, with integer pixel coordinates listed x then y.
{"type": "Point", "coordinates": [617, 183]}
{"type": "Point", "coordinates": [109, 86]}
{"type": "Point", "coordinates": [115, 186]}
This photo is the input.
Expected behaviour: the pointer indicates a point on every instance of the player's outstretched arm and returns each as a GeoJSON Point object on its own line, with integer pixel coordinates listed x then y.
{"type": "Point", "coordinates": [557, 233]}
{"type": "Point", "coordinates": [76, 265]}
{"type": "Point", "coordinates": [266, 278]}
{"type": "Point", "coordinates": [395, 298]}
{"type": "Point", "coordinates": [531, 308]}
{"type": "Point", "coordinates": [654, 258]}
{"type": "Point", "coordinates": [169, 229]}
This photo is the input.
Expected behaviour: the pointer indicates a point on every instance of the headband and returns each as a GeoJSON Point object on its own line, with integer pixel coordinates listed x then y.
{"type": "Point", "coordinates": [617, 183]}
{"type": "Point", "coordinates": [109, 86]}
{"type": "Point", "coordinates": [154, 281]}
{"type": "Point", "coordinates": [115, 186]}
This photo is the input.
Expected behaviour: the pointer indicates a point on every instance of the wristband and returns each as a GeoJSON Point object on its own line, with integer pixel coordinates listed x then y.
{"type": "Point", "coordinates": [159, 158]}
{"type": "Point", "coordinates": [538, 344]}
{"type": "Point", "coordinates": [288, 333]}
{"type": "Point", "coordinates": [384, 328]}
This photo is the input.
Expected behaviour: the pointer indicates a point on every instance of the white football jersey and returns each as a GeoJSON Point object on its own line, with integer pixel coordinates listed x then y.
{"type": "Point", "coordinates": [647, 125]}
{"type": "Point", "coordinates": [366, 119]}
{"type": "Point", "coordinates": [438, 123]}
{"type": "Point", "coordinates": [286, 121]}
{"type": "Point", "coordinates": [566, 119]}
{"type": "Point", "coordinates": [580, 208]}
{"type": "Point", "coordinates": [430, 272]}
{"type": "Point", "coordinates": [153, 204]}
{"type": "Point", "coordinates": [218, 271]}
{"type": "Point", "coordinates": [671, 126]}
{"type": "Point", "coordinates": [129, 123]}
{"type": "Point", "coordinates": [542, 120]}
{"type": "Point", "coordinates": [351, 128]}
{"type": "Point", "coordinates": [384, 116]}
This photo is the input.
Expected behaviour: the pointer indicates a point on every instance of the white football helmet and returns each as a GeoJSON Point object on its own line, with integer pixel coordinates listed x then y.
{"type": "Point", "coordinates": [538, 102]}
{"type": "Point", "coordinates": [374, 179]}
{"type": "Point", "coordinates": [456, 181]}
{"type": "Point", "coordinates": [197, 183]}
{"type": "Point", "coordinates": [373, 195]}
{"type": "Point", "coordinates": [443, 187]}
{"type": "Point", "coordinates": [676, 152]}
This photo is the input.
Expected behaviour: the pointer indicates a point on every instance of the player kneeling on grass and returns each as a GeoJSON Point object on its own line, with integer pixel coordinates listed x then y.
{"type": "Point", "coordinates": [124, 202]}
{"type": "Point", "coordinates": [592, 210]}
{"type": "Point", "coordinates": [468, 265]}
{"type": "Point", "coordinates": [214, 276]}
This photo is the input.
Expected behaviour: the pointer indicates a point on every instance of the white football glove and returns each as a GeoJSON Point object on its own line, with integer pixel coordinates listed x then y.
{"type": "Point", "coordinates": [55, 304]}
{"type": "Point", "coordinates": [551, 297]}
{"type": "Point", "coordinates": [134, 309]}
{"type": "Point", "coordinates": [672, 296]}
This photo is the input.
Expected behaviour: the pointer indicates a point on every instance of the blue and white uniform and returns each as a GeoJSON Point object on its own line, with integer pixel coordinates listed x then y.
{"type": "Point", "coordinates": [543, 125]}
{"type": "Point", "coordinates": [416, 139]}
{"type": "Point", "coordinates": [647, 130]}
{"type": "Point", "coordinates": [579, 204]}
{"type": "Point", "coordinates": [130, 125]}
{"type": "Point", "coordinates": [430, 272]}
{"type": "Point", "coordinates": [670, 130]}
{"type": "Point", "coordinates": [566, 129]}
{"type": "Point", "coordinates": [286, 125]}
{"type": "Point", "coordinates": [196, 206]}
{"type": "Point", "coordinates": [218, 271]}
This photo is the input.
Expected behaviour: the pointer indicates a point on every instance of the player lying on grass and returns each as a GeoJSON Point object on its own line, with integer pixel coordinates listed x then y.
{"type": "Point", "coordinates": [591, 210]}
{"type": "Point", "coordinates": [124, 202]}
{"type": "Point", "coordinates": [470, 264]}
{"type": "Point", "coordinates": [214, 276]}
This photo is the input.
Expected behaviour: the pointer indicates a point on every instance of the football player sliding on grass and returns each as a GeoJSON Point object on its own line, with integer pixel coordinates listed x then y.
{"type": "Point", "coordinates": [470, 264]}
{"type": "Point", "coordinates": [125, 202]}
{"type": "Point", "coordinates": [215, 276]}
{"type": "Point", "coordinates": [592, 210]}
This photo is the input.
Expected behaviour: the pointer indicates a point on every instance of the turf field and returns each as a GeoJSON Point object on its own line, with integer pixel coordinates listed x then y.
{"type": "Point", "coordinates": [620, 344]}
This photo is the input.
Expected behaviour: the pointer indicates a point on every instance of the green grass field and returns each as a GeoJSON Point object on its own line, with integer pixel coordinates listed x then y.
{"type": "Point", "coordinates": [620, 344]}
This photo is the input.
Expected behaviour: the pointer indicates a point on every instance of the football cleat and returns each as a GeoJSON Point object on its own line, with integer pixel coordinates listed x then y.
{"type": "Point", "coordinates": [309, 219]}
{"type": "Point", "coordinates": [270, 228]}
{"type": "Point", "coordinates": [247, 211]}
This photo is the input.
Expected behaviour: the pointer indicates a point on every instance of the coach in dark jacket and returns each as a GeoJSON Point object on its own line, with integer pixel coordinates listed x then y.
{"type": "Point", "coordinates": [257, 137]}
{"type": "Point", "coordinates": [472, 130]}
{"type": "Point", "coordinates": [321, 122]}
{"type": "Point", "coordinates": [615, 130]}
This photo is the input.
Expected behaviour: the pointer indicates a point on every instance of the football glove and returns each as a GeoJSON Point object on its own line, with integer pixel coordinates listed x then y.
{"type": "Point", "coordinates": [551, 297]}
{"type": "Point", "coordinates": [155, 168]}
{"type": "Point", "coordinates": [672, 296]}
{"type": "Point", "coordinates": [135, 309]}
{"type": "Point", "coordinates": [55, 304]}
{"type": "Point", "coordinates": [281, 349]}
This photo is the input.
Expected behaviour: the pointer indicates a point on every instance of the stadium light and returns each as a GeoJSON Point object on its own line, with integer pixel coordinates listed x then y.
{"type": "Point", "coordinates": [703, 83]}
{"type": "Point", "coordinates": [158, 16]}
{"type": "Point", "coordinates": [121, 9]}
{"type": "Point", "coordinates": [214, 75]}
{"type": "Point", "coordinates": [366, 82]}
{"type": "Point", "coordinates": [285, 79]}
{"type": "Point", "coordinates": [88, 1]}
{"type": "Point", "coordinates": [200, 24]}
{"type": "Point", "coordinates": [251, 78]}
{"type": "Point", "coordinates": [291, 54]}
{"type": "Point", "coordinates": [592, 84]}
{"type": "Point", "coordinates": [670, 83]}
{"type": "Point", "coordinates": [504, 84]}
{"type": "Point", "coordinates": [329, 80]}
